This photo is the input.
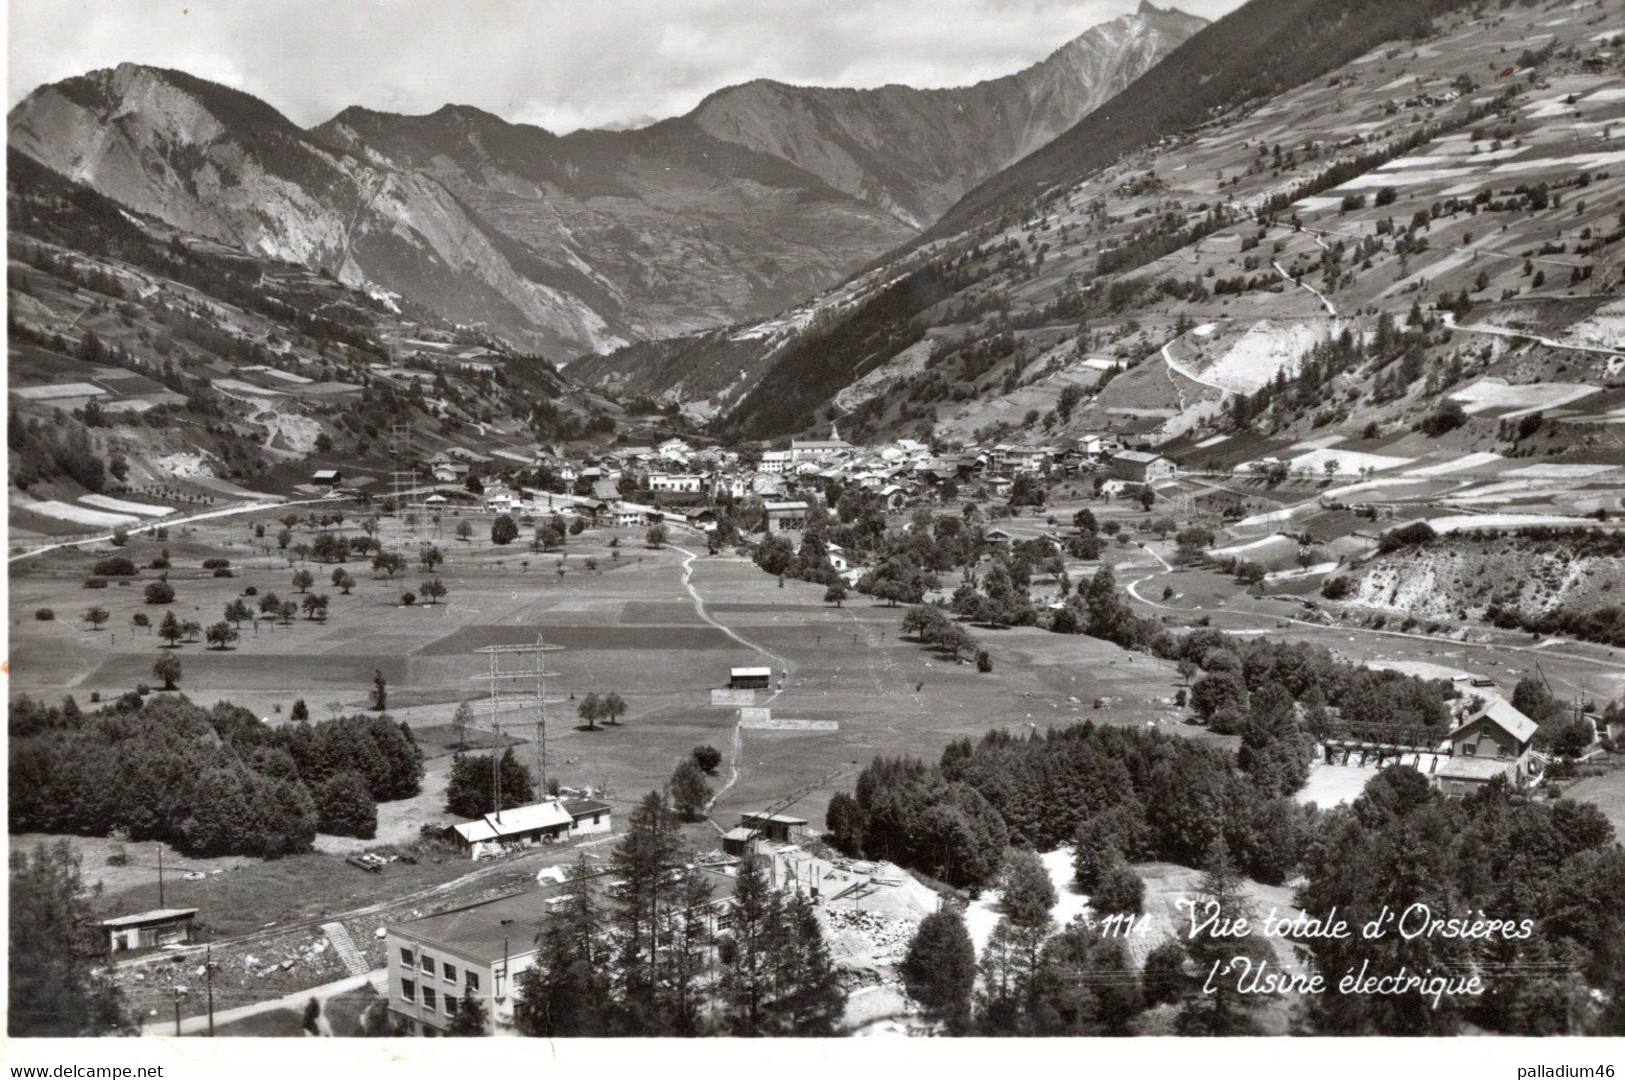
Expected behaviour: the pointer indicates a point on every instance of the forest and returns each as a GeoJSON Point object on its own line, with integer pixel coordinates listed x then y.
{"type": "Point", "coordinates": [210, 781]}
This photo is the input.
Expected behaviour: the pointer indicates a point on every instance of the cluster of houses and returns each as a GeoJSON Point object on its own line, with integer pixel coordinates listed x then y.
{"type": "Point", "coordinates": [629, 486]}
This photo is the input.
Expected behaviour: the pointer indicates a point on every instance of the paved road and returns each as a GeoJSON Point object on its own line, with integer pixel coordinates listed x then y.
{"type": "Point", "coordinates": [199, 1025]}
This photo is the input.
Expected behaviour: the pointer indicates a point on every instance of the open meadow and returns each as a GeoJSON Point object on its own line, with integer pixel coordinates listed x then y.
{"type": "Point", "coordinates": [659, 627]}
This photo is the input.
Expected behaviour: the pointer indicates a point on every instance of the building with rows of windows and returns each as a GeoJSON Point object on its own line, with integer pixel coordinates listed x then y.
{"type": "Point", "coordinates": [482, 948]}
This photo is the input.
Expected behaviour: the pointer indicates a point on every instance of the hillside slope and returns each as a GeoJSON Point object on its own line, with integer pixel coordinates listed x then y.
{"type": "Point", "coordinates": [1232, 274]}
{"type": "Point", "coordinates": [152, 368]}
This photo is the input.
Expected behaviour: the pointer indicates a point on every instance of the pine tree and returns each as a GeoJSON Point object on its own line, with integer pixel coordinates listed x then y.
{"type": "Point", "coordinates": [747, 982]}
{"type": "Point", "coordinates": [940, 968]}
{"type": "Point", "coordinates": [642, 864]}
{"type": "Point", "coordinates": [565, 992]}
{"type": "Point", "coordinates": [684, 961]}
{"type": "Point", "coordinates": [1224, 1010]}
{"type": "Point", "coordinates": [810, 1001]}
{"type": "Point", "coordinates": [59, 983]}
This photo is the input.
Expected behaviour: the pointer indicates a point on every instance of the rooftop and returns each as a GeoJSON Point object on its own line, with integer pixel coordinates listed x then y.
{"type": "Point", "coordinates": [1501, 712]}
{"type": "Point", "coordinates": [1474, 768]}
{"type": "Point", "coordinates": [143, 918]}
{"type": "Point", "coordinates": [509, 925]}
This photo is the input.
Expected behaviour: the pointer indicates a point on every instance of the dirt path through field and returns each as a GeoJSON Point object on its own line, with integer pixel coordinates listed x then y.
{"type": "Point", "coordinates": [699, 609]}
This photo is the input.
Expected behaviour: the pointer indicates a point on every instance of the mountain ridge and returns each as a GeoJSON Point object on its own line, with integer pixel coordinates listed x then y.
{"type": "Point", "coordinates": [565, 243]}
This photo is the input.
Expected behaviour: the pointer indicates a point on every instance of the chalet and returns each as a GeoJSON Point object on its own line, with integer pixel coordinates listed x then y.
{"type": "Point", "coordinates": [326, 477]}
{"type": "Point", "coordinates": [450, 473]}
{"type": "Point", "coordinates": [626, 515]}
{"type": "Point", "coordinates": [150, 929]}
{"type": "Point", "coordinates": [1141, 467]}
{"type": "Point", "coordinates": [705, 519]}
{"type": "Point", "coordinates": [767, 486]}
{"type": "Point", "coordinates": [786, 516]}
{"type": "Point", "coordinates": [1493, 741]}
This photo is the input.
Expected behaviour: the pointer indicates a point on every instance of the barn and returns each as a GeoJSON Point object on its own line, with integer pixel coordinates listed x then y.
{"type": "Point", "coordinates": [750, 678]}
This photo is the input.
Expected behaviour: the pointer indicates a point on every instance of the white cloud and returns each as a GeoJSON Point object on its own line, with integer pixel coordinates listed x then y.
{"type": "Point", "coordinates": [558, 63]}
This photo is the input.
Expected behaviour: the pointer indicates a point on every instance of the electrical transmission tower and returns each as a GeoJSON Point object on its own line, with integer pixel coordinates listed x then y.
{"type": "Point", "coordinates": [531, 670]}
{"type": "Point", "coordinates": [402, 476]}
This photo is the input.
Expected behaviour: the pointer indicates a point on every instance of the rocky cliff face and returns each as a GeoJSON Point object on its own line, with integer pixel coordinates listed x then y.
{"type": "Point", "coordinates": [762, 196]}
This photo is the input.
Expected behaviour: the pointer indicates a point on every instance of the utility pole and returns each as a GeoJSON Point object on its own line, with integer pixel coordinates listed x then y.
{"type": "Point", "coordinates": [161, 881]}
{"type": "Point", "coordinates": [208, 980]}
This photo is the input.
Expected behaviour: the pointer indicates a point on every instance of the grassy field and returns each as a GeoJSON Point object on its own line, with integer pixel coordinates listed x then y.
{"type": "Point", "coordinates": [631, 626]}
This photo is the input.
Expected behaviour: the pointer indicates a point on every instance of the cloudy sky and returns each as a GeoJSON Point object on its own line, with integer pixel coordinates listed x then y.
{"type": "Point", "coordinates": [563, 64]}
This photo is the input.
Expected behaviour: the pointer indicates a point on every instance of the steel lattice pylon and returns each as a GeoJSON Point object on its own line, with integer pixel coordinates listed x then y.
{"type": "Point", "coordinates": [535, 671]}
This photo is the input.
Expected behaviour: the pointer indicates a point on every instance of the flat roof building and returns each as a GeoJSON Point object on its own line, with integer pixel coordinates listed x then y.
{"type": "Point", "coordinates": [150, 929]}
{"type": "Point", "coordinates": [482, 948]}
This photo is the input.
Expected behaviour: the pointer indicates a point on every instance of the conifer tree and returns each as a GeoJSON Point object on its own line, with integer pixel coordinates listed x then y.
{"type": "Point", "coordinates": [642, 866]}
{"type": "Point", "coordinates": [565, 992]}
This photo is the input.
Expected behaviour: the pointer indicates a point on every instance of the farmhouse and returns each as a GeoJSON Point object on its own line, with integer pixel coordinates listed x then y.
{"type": "Point", "coordinates": [1141, 467]}
{"type": "Point", "coordinates": [329, 477]}
{"type": "Point", "coordinates": [1494, 741]}
{"type": "Point", "coordinates": [526, 826]}
{"type": "Point", "coordinates": [150, 929]}
{"type": "Point", "coordinates": [483, 947]}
